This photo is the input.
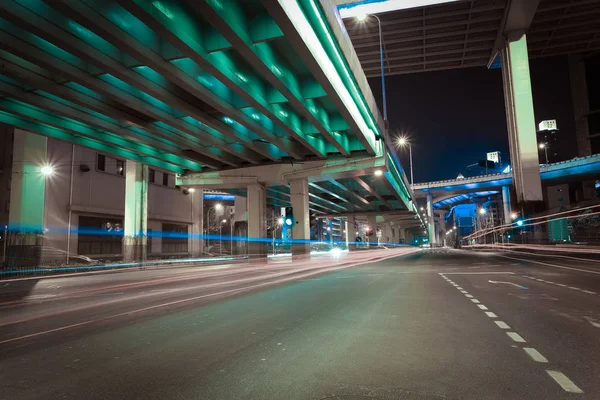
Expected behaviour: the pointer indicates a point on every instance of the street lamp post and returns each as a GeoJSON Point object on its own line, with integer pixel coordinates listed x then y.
{"type": "Point", "coordinates": [364, 18]}
{"type": "Point", "coordinates": [216, 207]}
{"type": "Point", "coordinates": [402, 141]}
{"type": "Point", "coordinates": [221, 236]}
{"type": "Point", "coordinates": [545, 147]}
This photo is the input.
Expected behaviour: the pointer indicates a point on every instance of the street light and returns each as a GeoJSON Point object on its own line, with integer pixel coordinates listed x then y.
{"type": "Point", "coordinates": [191, 190]}
{"type": "Point", "coordinates": [482, 211]}
{"type": "Point", "coordinates": [545, 147]}
{"type": "Point", "coordinates": [513, 215]}
{"type": "Point", "coordinates": [401, 142]}
{"type": "Point", "coordinates": [363, 18]}
{"type": "Point", "coordinates": [47, 170]}
{"type": "Point", "coordinates": [221, 236]}
{"type": "Point", "coordinates": [378, 172]}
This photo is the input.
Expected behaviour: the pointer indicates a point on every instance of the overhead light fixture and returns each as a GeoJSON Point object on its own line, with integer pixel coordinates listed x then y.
{"type": "Point", "coordinates": [381, 6]}
{"type": "Point", "coordinates": [378, 172]}
{"type": "Point", "coordinates": [47, 170]}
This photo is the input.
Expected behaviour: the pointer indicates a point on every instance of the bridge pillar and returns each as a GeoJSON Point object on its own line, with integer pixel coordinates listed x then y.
{"type": "Point", "coordinates": [521, 121]}
{"type": "Point", "coordinates": [197, 239]}
{"type": "Point", "coordinates": [430, 220]}
{"type": "Point", "coordinates": [351, 233]}
{"type": "Point", "coordinates": [257, 223]}
{"type": "Point", "coordinates": [135, 225]}
{"type": "Point", "coordinates": [372, 221]}
{"type": "Point", "coordinates": [301, 229]}
{"type": "Point", "coordinates": [27, 193]}
{"type": "Point", "coordinates": [506, 203]}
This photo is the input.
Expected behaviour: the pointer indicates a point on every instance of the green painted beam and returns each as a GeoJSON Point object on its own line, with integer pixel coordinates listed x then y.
{"type": "Point", "coordinates": [100, 90]}
{"type": "Point", "coordinates": [49, 131]}
{"type": "Point", "coordinates": [234, 26]}
{"type": "Point", "coordinates": [157, 92]}
{"type": "Point", "coordinates": [264, 29]}
{"type": "Point", "coordinates": [75, 128]}
{"type": "Point", "coordinates": [183, 31]}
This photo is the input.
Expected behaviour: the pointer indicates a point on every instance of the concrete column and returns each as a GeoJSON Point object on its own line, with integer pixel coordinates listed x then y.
{"type": "Point", "coordinates": [241, 211]}
{"type": "Point", "coordinates": [506, 204]}
{"type": "Point", "coordinates": [351, 233]}
{"type": "Point", "coordinates": [301, 229]}
{"type": "Point", "coordinates": [430, 220]}
{"type": "Point", "coordinates": [257, 223]}
{"type": "Point", "coordinates": [372, 222]}
{"type": "Point", "coordinates": [401, 233]}
{"type": "Point", "coordinates": [135, 226]}
{"type": "Point", "coordinates": [27, 193]}
{"type": "Point", "coordinates": [197, 210]}
{"type": "Point", "coordinates": [581, 105]}
{"type": "Point", "coordinates": [521, 121]}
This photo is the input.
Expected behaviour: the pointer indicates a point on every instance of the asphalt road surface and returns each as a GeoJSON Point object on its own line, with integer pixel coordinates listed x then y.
{"type": "Point", "coordinates": [429, 325]}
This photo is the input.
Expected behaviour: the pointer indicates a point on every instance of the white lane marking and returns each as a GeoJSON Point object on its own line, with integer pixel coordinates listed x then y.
{"type": "Point", "coordinates": [475, 301]}
{"type": "Point", "coordinates": [516, 337]}
{"type": "Point", "coordinates": [564, 382]}
{"type": "Point", "coordinates": [464, 292]}
{"type": "Point", "coordinates": [482, 307]}
{"type": "Point", "coordinates": [508, 283]}
{"type": "Point", "coordinates": [588, 292]}
{"type": "Point", "coordinates": [535, 355]}
{"type": "Point", "coordinates": [553, 265]}
{"type": "Point", "coordinates": [459, 288]}
{"type": "Point", "coordinates": [469, 295]}
{"type": "Point", "coordinates": [480, 273]}
{"type": "Point", "coordinates": [561, 284]}
{"type": "Point", "coordinates": [574, 288]}
{"type": "Point", "coordinates": [502, 324]}
{"type": "Point", "coordinates": [592, 321]}
{"type": "Point", "coordinates": [491, 314]}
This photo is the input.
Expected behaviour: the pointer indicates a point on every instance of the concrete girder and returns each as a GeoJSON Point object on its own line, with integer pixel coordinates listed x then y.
{"type": "Point", "coordinates": [55, 65]}
{"type": "Point", "coordinates": [146, 12]}
{"type": "Point", "coordinates": [235, 29]}
{"type": "Point", "coordinates": [281, 17]}
{"type": "Point", "coordinates": [369, 189]}
{"type": "Point", "coordinates": [313, 203]}
{"type": "Point", "coordinates": [322, 189]}
{"type": "Point", "coordinates": [164, 150]}
{"type": "Point", "coordinates": [214, 156]}
{"type": "Point", "coordinates": [76, 128]}
{"type": "Point", "coordinates": [55, 30]}
{"type": "Point", "coordinates": [350, 192]}
{"type": "Point", "coordinates": [49, 131]}
{"type": "Point", "coordinates": [516, 21]}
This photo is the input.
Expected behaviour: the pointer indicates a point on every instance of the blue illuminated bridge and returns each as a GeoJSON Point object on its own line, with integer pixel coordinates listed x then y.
{"type": "Point", "coordinates": [264, 97]}
{"type": "Point", "coordinates": [448, 192]}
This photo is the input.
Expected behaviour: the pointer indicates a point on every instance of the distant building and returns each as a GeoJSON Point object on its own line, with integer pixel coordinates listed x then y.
{"type": "Point", "coordinates": [546, 139]}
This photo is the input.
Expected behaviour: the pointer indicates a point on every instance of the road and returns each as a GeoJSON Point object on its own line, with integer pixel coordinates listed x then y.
{"type": "Point", "coordinates": [388, 324]}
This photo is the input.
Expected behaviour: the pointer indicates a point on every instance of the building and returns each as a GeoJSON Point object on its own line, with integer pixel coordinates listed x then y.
{"type": "Point", "coordinates": [84, 202]}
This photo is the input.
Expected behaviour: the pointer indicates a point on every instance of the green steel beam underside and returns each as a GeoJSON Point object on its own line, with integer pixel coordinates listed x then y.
{"type": "Point", "coordinates": [233, 24]}
{"type": "Point", "coordinates": [52, 132]}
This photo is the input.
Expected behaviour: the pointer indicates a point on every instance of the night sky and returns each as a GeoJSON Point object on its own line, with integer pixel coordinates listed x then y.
{"type": "Point", "coordinates": [454, 117]}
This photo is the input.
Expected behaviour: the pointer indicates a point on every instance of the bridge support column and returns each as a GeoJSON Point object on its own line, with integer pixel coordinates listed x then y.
{"type": "Point", "coordinates": [506, 204]}
{"type": "Point", "coordinates": [257, 223]}
{"type": "Point", "coordinates": [521, 121]}
{"type": "Point", "coordinates": [301, 229]}
{"type": "Point", "coordinates": [372, 221]}
{"type": "Point", "coordinates": [27, 192]}
{"type": "Point", "coordinates": [351, 232]}
{"type": "Point", "coordinates": [135, 226]}
{"type": "Point", "coordinates": [430, 220]}
{"type": "Point", "coordinates": [197, 239]}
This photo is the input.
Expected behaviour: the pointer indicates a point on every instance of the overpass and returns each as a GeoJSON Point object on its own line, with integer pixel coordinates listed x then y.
{"type": "Point", "coordinates": [445, 193]}
{"type": "Point", "coordinates": [262, 98]}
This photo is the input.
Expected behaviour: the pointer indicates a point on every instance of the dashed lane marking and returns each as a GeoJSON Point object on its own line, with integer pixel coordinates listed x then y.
{"type": "Point", "coordinates": [502, 324]}
{"type": "Point", "coordinates": [469, 295]}
{"type": "Point", "coordinates": [475, 301]}
{"type": "Point", "coordinates": [491, 314]}
{"type": "Point", "coordinates": [564, 382]}
{"type": "Point", "coordinates": [516, 337]}
{"type": "Point", "coordinates": [535, 355]}
{"type": "Point", "coordinates": [482, 307]}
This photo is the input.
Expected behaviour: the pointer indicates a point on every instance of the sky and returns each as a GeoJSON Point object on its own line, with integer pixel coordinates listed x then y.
{"type": "Point", "coordinates": [454, 117]}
